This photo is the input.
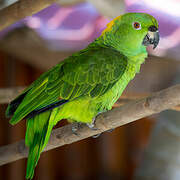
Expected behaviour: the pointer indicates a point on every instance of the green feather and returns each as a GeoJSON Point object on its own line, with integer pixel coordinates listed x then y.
{"type": "Point", "coordinates": [37, 135]}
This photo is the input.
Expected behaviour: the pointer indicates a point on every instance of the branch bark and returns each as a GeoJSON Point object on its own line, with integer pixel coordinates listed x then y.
{"type": "Point", "coordinates": [109, 8]}
{"type": "Point", "coordinates": [24, 8]}
{"type": "Point", "coordinates": [161, 157]}
{"type": "Point", "coordinates": [8, 94]}
{"type": "Point", "coordinates": [127, 113]}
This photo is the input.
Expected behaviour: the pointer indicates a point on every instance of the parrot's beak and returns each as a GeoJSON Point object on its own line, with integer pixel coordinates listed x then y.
{"type": "Point", "coordinates": [152, 37]}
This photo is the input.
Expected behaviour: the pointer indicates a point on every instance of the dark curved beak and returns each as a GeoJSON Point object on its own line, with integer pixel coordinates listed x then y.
{"type": "Point", "coordinates": [152, 37]}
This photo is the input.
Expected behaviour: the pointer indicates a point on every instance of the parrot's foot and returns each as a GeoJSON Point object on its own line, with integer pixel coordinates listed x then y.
{"type": "Point", "coordinates": [97, 135]}
{"type": "Point", "coordinates": [110, 130]}
{"type": "Point", "coordinates": [75, 127]}
{"type": "Point", "coordinates": [92, 124]}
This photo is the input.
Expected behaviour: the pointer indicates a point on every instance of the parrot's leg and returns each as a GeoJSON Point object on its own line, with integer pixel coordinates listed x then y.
{"type": "Point", "coordinates": [92, 124]}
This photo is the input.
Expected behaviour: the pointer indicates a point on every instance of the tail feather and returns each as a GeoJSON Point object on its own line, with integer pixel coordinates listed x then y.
{"type": "Point", "coordinates": [38, 132]}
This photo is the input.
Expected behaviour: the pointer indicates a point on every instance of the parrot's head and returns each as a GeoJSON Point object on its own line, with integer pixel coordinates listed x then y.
{"type": "Point", "coordinates": [131, 32]}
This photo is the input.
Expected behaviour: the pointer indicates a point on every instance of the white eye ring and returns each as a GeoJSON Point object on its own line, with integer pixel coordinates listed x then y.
{"type": "Point", "coordinates": [136, 25]}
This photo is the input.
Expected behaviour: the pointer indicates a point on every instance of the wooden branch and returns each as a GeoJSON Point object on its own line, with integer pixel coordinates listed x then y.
{"type": "Point", "coordinates": [6, 3]}
{"type": "Point", "coordinates": [110, 8]}
{"type": "Point", "coordinates": [24, 8]}
{"type": "Point", "coordinates": [127, 113]}
{"type": "Point", "coordinates": [8, 94]}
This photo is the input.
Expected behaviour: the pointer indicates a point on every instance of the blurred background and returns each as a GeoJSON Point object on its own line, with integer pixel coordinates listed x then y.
{"type": "Point", "coordinates": [146, 149]}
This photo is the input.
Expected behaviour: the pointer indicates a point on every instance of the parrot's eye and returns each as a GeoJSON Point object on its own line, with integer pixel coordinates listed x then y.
{"type": "Point", "coordinates": [136, 25]}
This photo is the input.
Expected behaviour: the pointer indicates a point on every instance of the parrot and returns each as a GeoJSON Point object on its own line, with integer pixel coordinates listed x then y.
{"type": "Point", "coordinates": [84, 84]}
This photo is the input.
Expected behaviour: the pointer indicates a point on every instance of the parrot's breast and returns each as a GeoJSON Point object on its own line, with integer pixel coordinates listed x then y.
{"type": "Point", "coordinates": [133, 67]}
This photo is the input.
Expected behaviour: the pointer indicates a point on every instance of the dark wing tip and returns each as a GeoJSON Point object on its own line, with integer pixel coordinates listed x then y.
{"type": "Point", "coordinates": [14, 105]}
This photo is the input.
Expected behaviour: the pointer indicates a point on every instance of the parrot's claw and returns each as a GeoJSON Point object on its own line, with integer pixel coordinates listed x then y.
{"type": "Point", "coordinates": [75, 127]}
{"type": "Point", "coordinates": [110, 130]}
{"type": "Point", "coordinates": [97, 135]}
{"type": "Point", "coordinates": [92, 124]}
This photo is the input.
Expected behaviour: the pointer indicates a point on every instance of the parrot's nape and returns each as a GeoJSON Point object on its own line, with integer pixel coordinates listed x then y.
{"type": "Point", "coordinates": [85, 84]}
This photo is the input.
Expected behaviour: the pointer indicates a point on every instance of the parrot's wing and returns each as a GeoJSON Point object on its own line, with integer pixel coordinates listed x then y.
{"type": "Point", "coordinates": [91, 72]}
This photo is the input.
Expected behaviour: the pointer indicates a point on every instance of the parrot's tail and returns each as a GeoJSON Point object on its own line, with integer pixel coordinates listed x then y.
{"type": "Point", "coordinates": [38, 132]}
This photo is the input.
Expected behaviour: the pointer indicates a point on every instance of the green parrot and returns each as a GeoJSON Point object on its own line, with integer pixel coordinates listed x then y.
{"type": "Point", "coordinates": [85, 84]}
